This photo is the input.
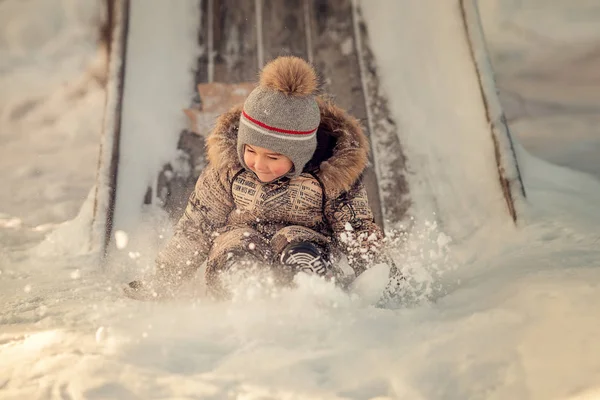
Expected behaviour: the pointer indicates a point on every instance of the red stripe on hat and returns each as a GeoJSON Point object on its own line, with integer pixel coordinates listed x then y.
{"type": "Point", "coordinates": [272, 128]}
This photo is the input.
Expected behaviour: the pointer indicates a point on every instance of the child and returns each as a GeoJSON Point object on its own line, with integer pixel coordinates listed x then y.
{"type": "Point", "coordinates": [283, 187]}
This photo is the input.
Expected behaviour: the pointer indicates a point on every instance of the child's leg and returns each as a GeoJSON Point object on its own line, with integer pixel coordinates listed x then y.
{"type": "Point", "coordinates": [301, 249]}
{"type": "Point", "coordinates": [238, 247]}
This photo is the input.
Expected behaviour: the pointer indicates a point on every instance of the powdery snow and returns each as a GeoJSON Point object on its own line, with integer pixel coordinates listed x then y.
{"type": "Point", "coordinates": [506, 313]}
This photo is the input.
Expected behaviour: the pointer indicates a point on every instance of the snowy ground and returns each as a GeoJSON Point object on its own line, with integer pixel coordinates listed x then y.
{"type": "Point", "coordinates": [51, 75]}
{"type": "Point", "coordinates": [514, 318]}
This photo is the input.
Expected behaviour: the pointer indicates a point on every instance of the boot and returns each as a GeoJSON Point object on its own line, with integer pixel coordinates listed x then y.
{"type": "Point", "coordinates": [306, 257]}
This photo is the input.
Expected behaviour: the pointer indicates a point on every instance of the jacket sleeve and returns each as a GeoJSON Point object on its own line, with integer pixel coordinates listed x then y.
{"type": "Point", "coordinates": [354, 228]}
{"type": "Point", "coordinates": [207, 209]}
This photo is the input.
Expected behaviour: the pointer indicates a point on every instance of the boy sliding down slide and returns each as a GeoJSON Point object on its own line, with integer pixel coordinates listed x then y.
{"type": "Point", "coordinates": [283, 188]}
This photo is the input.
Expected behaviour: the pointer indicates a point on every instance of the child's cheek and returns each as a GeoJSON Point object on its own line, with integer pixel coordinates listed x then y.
{"type": "Point", "coordinates": [282, 168]}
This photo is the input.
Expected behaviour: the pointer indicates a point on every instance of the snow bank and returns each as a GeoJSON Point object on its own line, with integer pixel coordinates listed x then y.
{"type": "Point", "coordinates": [73, 237]}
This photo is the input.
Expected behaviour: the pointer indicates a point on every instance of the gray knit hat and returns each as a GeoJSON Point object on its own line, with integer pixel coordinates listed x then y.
{"type": "Point", "coordinates": [282, 113]}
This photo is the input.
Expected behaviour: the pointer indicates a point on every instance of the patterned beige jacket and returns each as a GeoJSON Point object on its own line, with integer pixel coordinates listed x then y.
{"type": "Point", "coordinates": [231, 211]}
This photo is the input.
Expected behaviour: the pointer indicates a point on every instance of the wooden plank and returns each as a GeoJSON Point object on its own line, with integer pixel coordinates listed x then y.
{"type": "Point", "coordinates": [234, 38]}
{"type": "Point", "coordinates": [217, 98]}
{"type": "Point", "coordinates": [202, 68]}
{"type": "Point", "coordinates": [283, 29]}
{"type": "Point", "coordinates": [335, 58]}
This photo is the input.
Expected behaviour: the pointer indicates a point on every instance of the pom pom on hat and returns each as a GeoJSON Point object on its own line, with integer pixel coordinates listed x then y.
{"type": "Point", "coordinates": [282, 113]}
{"type": "Point", "coordinates": [290, 75]}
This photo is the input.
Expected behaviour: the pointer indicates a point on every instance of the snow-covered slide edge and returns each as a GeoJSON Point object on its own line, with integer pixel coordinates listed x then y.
{"type": "Point", "coordinates": [151, 80]}
{"type": "Point", "coordinates": [506, 156]}
{"type": "Point", "coordinates": [105, 190]}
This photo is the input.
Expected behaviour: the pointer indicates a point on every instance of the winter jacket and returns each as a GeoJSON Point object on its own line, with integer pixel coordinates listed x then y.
{"type": "Point", "coordinates": [230, 209]}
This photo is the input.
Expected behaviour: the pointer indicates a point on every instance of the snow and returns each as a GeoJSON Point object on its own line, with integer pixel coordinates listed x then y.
{"type": "Point", "coordinates": [503, 313]}
{"type": "Point", "coordinates": [121, 239]}
{"type": "Point", "coordinates": [51, 98]}
{"type": "Point", "coordinates": [546, 57]}
{"type": "Point", "coordinates": [438, 110]}
{"type": "Point", "coordinates": [153, 106]}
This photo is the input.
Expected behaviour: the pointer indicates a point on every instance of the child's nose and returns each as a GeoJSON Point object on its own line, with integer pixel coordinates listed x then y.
{"type": "Point", "coordinates": [259, 162]}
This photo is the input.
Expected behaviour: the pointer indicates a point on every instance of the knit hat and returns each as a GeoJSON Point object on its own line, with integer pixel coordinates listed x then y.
{"type": "Point", "coordinates": [282, 113]}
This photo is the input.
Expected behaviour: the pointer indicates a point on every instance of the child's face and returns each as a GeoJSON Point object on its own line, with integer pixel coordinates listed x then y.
{"type": "Point", "coordinates": [266, 164]}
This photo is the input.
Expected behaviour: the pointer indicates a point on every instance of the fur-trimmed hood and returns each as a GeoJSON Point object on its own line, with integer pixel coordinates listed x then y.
{"type": "Point", "coordinates": [340, 159]}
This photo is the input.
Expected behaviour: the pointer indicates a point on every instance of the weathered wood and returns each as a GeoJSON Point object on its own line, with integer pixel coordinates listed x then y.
{"type": "Point", "coordinates": [234, 38]}
{"type": "Point", "coordinates": [217, 98]}
{"type": "Point", "coordinates": [335, 58]}
{"type": "Point", "coordinates": [202, 68]}
{"type": "Point", "coordinates": [283, 29]}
